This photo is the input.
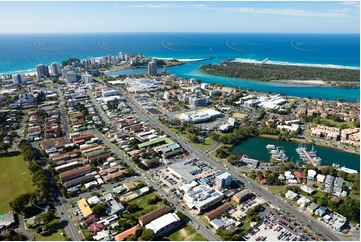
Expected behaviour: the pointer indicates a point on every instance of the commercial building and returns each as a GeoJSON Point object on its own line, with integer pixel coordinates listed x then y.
{"type": "Point", "coordinates": [199, 117]}
{"type": "Point", "coordinates": [152, 68]}
{"type": "Point", "coordinates": [242, 196]}
{"type": "Point", "coordinates": [223, 180]}
{"type": "Point", "coordinates": [164, 224]}
{"type": "Point", "coordinates": [201, 197]}
{"type": "Point", "coordinates": [184, 170]}
{"type": "Point", "coordinates": [42, 71]}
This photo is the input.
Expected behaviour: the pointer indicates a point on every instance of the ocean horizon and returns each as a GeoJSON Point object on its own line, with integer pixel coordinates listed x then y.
{"type": "Point", "coordinates": [20, 53]}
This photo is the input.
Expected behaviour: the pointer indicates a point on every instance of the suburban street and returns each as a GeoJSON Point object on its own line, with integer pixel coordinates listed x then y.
{"type": "Point", "coordinates": [248, 183]}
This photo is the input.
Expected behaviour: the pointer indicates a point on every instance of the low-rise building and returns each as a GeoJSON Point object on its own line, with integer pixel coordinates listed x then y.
{"type": "Point", "coordinates": [201, 197]}
{"type": "Point", "coordinates": [122, 236]}
{"type": "Point", "coordinates": [84, 207]}
{"type": "Point", "coordinates": [164, 224]}
{"type": "Point", "coordinates": [218, 211]}
{"type": "Point", "coordinates": [148, 217]}
{"type": "Point", "coordinates": [303, 202]}
{"type": "Point", "coordinates": [242, 196]}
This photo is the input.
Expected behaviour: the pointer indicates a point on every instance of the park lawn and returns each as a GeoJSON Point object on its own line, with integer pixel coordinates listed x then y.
{"type": "Point", "coordinates": [207, 143]}
{"type": "Point", "coordinates": [53, 237]}
{"type": "Point", "coordinates": [202, 146]}
{"type": "Point", "coordinates": [144, 206]}
{"type": "Point", "coordinates": [186, 234]}
{"type": "Point", "coordinates": [276, 189]}
{"type": "Point", "coordinates": [15, 179]}
{"type": "Point", "coordinates": [239, 115]}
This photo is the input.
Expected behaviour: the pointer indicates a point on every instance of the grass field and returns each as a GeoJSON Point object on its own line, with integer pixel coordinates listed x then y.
{"type": "Point", "coordinates": [185, 234]}
{"type": "Point", "coordinates": [142, 202]}
{"type": "Point", "coordinates": [15, 179]}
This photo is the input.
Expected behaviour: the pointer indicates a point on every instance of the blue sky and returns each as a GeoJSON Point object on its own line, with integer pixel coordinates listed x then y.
{"type": "Point", "coordinates": [85, 17]}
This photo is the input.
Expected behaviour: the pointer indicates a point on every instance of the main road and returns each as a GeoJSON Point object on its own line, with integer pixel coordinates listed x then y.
{"type": "Point", "coordinates": [202, 228]}
{"type": "Point", "coordinates": [248, 183]}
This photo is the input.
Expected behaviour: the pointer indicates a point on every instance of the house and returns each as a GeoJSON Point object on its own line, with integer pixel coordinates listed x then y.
{"type": "Point", "coordinates": [337, 191]}
{"type": "Point", "coordinates": [320, 178]}
{"type": "Point", "coordinates": [329, 180]}
{"type": "Point", "coordinates": [96, 227]}
{"type": "Point", "coordinates": [299, 175]}
{"type": "Point", "coordinates": [312, 207]}
{"type": "Point", "coordinates": [303, 202]}
{"type": "Point", "coordinates": [102, 235]}
{"type": "Point", "coordinates": [92, 219]}
{"type": "Point", "coordinates": [311, 175]}
{"type": "Point", "coordinates": [148, 217]}
{"type": "Point", "coordinates": [218, 211]}
{"type": "Point", "coordinates": [307, 189]}
{"type": "Point", "coordinates": [122, 236]}
{"type": "Point", "coordinates": [242, 196]}
{"type": "Point", "coordinates": [339, 182]}
{"type": "Point", "coordinates": [291, 195]}
{"type": "Point", "coordinates": [321, 211]}
{"type": "Point", "coordinates": [264, 181]}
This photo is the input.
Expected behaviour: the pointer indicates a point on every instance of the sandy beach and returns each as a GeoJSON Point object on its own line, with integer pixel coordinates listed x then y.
{"type": "Point", "coordinates": [313, 83]}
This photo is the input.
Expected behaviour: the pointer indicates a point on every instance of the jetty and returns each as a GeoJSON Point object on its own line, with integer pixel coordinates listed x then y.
{"type": "Point", "coordinates": [308, 156]}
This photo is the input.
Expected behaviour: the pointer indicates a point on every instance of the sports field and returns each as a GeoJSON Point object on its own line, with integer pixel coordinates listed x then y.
{"type": "Point", "coordinates": [15, 179]}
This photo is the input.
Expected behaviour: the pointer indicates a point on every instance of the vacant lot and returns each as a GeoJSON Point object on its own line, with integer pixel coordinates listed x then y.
{"type": "Point", "coordinates": [15, 179]}
{"type": "Point", "coordinates": [144, 205]}
{"type": "Point", "coordinates": [186, 234]}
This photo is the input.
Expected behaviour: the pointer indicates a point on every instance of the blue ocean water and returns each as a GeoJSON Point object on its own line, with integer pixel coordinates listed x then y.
{"type": "Point", "coordinates": [21, 53]}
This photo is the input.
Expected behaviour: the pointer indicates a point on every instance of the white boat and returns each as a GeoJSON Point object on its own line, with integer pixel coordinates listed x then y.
{"type": "Point", "coordinates": [271, 147]}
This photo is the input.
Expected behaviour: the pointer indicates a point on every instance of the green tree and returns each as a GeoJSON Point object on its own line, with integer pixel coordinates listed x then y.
{"type": "Point", "coordinates": [132, 207]}
{"type": "Point", "coordinates": [148, 235]}
{"type": "Point", "coordinates": [19, 203]}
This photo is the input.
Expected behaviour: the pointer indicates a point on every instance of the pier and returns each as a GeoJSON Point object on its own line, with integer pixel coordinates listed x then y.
{"type": "Point", "coordinates": [309, 158]}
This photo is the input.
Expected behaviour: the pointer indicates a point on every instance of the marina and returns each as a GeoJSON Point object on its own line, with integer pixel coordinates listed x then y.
{"type": "Point", "coordinates": [329, 156]}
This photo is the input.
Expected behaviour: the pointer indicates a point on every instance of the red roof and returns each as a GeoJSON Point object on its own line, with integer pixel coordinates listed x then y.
{"type": "Point", "coordinates": [299, 175]}
{"type": "Point", "coordinates": [264, 181]}
{"type": "Point", "coordinates": [126, 233]}
{"type": "Point", "coordinates": [96, 227]}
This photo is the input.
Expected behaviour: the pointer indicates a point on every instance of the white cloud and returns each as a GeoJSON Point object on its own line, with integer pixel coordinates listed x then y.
{"type": "Point", "coordinates": [351, 3]}
{"type": "Point", "coordinates": [273, 11]}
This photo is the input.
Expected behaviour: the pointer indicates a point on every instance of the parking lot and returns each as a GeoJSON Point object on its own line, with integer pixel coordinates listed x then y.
{"type": "Point", "coordinates": [276, 226]}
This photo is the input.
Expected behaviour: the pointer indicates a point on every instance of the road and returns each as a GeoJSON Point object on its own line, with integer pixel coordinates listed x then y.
{"type": "Point", "coordinates": [63, 114]}
{"type": "Point", "coordinates": [250, 184]}
{"type": "Point", "coordinates": [100, 110]}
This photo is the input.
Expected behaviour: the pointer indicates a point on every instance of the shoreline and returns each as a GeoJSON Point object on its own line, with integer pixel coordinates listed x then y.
{"type": "Point", "coordinates": [270, 62]}
{"type": "Point", "coordinates": [296, 140]}
{"type": "Point", "coordinates": [310, 83]}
